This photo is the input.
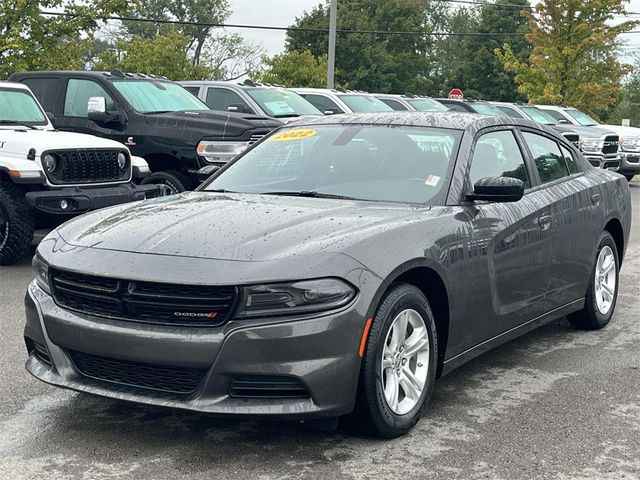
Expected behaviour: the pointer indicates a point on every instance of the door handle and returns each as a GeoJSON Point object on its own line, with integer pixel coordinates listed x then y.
{"type": "Point", "coordinates": [595, 198]}
{"type": "Point", "coordinates": [544, 221]}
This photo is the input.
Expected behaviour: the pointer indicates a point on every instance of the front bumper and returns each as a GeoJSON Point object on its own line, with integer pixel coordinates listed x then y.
{"type": "Point", "coordinates": [630, 163]}
{"type": "Point", "coordinates": [320, 352]}
{"type": "Point", "coordinates": [83, 199]}
{"type": "Point", "coordinates": [606, 162]}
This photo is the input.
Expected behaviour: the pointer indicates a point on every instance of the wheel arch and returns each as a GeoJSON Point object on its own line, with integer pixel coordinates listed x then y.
{"type": "Point", "coordinates": [614, 227]}
{"type": "Point", "coordinates": [429, 278]}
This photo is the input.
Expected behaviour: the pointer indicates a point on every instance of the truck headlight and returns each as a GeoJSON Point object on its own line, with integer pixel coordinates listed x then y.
{"type": "Point", "coordinates": [213, 151]}
{"type": "Point", "coordinates": [122, 161]}
{"type": "Point", "coordinates": [591, 145]}
{"type": "Point", "coordinates": [49, 163]}
{"type": "Point", "coordinates": [630, 144]}
{"type": "Point", "coordinates": [305, 296]}
{"type": "Point", "coordinates": [41, 272]}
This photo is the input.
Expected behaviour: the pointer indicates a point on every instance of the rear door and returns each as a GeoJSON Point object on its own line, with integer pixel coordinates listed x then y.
{"type": "Point", "coordinates": [574, 213]}
{"type": "Point", "coordinates": [509, 241]}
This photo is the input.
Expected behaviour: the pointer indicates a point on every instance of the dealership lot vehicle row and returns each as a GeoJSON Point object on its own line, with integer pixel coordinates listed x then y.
{"type": "Point", "coordinates": [556, 403]}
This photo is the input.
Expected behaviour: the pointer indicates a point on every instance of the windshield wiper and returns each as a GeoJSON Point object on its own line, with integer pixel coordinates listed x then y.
{"type": "Point", "coordinates": [285, 115]}
{"type": "Point", "coordinates": [221, 190]}
{"type": "Point", "coordinates": [15, 122]}
{"type": "Point", "coordinates": [310, 194]}
{"type": "Point", "coordinates": [159, 111]}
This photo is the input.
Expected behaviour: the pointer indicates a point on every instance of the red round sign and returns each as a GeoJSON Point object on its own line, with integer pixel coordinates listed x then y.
{"type": "Point", "coordinates": [456, 93]}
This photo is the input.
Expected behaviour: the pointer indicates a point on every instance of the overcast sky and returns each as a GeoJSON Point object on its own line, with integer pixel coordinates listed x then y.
{"type": "Point", "coordinates": [283, 13]}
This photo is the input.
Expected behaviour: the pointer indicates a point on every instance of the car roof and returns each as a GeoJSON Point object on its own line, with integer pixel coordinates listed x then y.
{"type": "Point", "coordinates": [113, 75]}
{"type": "Point", "coordinates": [228, 83]}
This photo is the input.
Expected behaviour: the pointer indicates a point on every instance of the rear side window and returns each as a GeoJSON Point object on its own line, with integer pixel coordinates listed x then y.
{"type": "Point", "coordinates": [497, 154]}
{"type": "Point", "coordinates": [76, 100]}
{"type": "Point", "coordinates": [396, 105]}
{"type": "Point", "coordinates": [550, 163]}
{"type": "Point", "coordinates": [569, 160]}
{"type": "Point", "coordinates": [322, 103]}
{"type": "Point", "coordinates": [223, 98]}
{"type": "Point", "coordinates": [45, 90]}
{"type": "Point", "coordinates": [192, 90]}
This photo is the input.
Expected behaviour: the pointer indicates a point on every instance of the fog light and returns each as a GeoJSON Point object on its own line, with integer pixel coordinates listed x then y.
{"type": "Point", "coordinates": [64, 204]}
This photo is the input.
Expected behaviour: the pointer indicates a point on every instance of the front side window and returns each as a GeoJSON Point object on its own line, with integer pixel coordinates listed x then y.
{"type": "Point", "coordinates": [427, 105]}
{"type": "Point", "coordinates": [581, 117]}
{"type": "Point", "coordinates": [394, 104]}
{"type": "Point", "coordinates": [546, 154]}
{"type": "Point", "coordinates": [322, 103]}
{"type": "Point", "coordinates": [152, 96]}
{"type": "Point", "coordinates": [488, 109]}
{"type": "Point", "coordinates": [557, 115]}
{"type": "Point", "coordinates": [365, 103]}
{"type": "Point", "coordinates": [510, 111]}
{"type": "Point", "coordinates": [365, 162]}
{"type": "Point", "coordinates": [456, 107]}
{"type": "Point", "coordinates": [277, 102]}
{"type": "Point", "coordinates": [223, 98]}
{"type": "Point", "coordinates": [20, 106]}
{"type": "Point", "coordinates": [76, 100]}
{"type": "Point", "coordinates": [539, 116]}
{"type": "Point", "coordinates": [497, 154]}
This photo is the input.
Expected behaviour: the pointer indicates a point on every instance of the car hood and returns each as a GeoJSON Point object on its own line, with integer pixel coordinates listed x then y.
{"type": "Point", "coordinates": [20, 142]}
{"type": "Point", "coordinates": [212, 122]}
{"type": "Point", "coordinates": [239, 227]}
{"type": "Point", "coordinates": [624, 132]}
{"type": "Point", "coordinates": [591, 132]}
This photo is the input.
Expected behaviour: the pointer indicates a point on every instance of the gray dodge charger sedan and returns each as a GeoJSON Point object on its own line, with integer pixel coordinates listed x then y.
{"type": "Point", "coordinates": [336, 268]}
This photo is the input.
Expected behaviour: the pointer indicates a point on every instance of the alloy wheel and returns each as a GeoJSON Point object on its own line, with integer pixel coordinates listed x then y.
{"type": "Point", "coordinates": [605, 280]}
{"type": "Point", "coordinates": [405, 361]}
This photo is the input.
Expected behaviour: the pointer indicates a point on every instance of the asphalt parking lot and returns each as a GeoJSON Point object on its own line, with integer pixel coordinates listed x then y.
{"type": "Point", "coordinates": [556, 403]}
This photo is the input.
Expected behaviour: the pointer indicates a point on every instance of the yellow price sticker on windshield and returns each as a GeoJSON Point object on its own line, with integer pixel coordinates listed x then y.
{"type": "Point", "coordinates": [293, 135]}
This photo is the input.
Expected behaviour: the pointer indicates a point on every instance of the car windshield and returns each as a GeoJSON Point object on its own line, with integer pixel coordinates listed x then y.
{"type": "Point", "coordinates": [487, 109]}
{"type": "Point", "coordinates": [427, 105]}
{"type": "Point", "coordinates": [581, 117]}
{"type": "Point", "coordinates": [539, 116]}
{"type": "Point", "coordinates": [365, 103]}
{"type": "Point", "coordinates": [277, 102]}
{"type": "Point", "coordinates": [149, 96]}
{"type": "Point", "coordinates": [19, 106]}
{"type": "Point", "coordinates": [365, 162]}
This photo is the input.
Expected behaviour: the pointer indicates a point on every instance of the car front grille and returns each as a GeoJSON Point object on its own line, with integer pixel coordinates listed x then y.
{"type": "Point", "coordinates": [87, 166]}
{"type": "Point", "coordinates": [610, 146]}
{"type": "Point", "coordinates": [160, 378]}
{"type": "Point", "coordinates": [267, 386]}
{"type": "Point", "coordinates": [144, 302]}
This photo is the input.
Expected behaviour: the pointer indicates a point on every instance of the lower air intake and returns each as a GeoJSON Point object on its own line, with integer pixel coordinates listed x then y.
{"type": "Point", "coordinates": [267, 386]}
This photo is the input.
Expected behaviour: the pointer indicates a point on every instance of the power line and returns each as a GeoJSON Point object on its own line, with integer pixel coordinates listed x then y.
{"type": "Point", "coordinates": [308, 29]}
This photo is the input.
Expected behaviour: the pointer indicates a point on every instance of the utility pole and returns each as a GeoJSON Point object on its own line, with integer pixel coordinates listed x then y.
{"type": "Point", "coordinates": [331, 63]}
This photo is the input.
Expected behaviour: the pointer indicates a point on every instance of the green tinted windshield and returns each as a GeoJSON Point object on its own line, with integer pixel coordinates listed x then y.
{"type": "Point", "coordinates": [365, 103]}
{"type": "Point", "coordinates": [149, 96]}
{"type": "Point", "coordinates": [366, 162]}
{"type": "Point", "coordinates": [427, 105]}
{"type": "Point", "coordinates": [581, 117]}
{"type": "Point", "coordinates": [538, 116]}
{"type": "Point", "coordinates": [277, 102]}
{"type": "Point", "coordinates": [20, 106]}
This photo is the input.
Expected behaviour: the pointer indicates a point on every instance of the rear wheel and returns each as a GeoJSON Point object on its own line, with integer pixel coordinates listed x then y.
{"type": "Point", "coordinates": [399, 365]}
{"type": "Point", "coordinates": [629, 177]}
{"type": "Point", "coordinates": [16, 224]}
{"type": "Point", "coordinates": [169, 181]}
{"type": "Point", "coordinates": [600, 301]}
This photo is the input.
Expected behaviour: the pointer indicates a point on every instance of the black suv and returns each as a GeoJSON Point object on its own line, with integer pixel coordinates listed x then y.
{"type": "Point", "coordinates": [177, 134]}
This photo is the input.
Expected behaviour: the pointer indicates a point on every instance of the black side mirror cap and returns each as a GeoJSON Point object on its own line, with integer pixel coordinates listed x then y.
{"type": "Point", "coordinates": [106, 118]}
{"type": "Point", "coordinates": [497, 189]}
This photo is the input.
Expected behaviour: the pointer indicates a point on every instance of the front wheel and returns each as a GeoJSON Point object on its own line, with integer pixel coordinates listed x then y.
{"type": "Point", "coordinates": [169, 181]}
{"type": "Point", "coordinates": [16, 224]}
{"type": "Point", "coordinates": [600, 301]}
{"type": "Point", "coordinates": [399, 364]}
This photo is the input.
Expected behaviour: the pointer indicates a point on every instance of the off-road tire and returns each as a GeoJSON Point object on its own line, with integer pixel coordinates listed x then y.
{"type": "Point", "coordinates": [176, 181]}
{"type": "Point", "coordinates": [371, 415]}
{"type": "Point", "coordinates": [17, 234]}
{"type": "Point", "coordinates": [590, 318]}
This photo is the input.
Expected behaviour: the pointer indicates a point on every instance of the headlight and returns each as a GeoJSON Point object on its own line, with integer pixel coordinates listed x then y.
{"type": "Point", "coordinates": [49, 163]}
{"type": "Point", "coordinates": [220, 151]}
{"type": "Point", "coordinates": [630, 144]}
{"type": "Point", "coordinates": [591, 144]}
{"type": "Point", "coordinates": [41, 271]}
{"type": "Point", "coordinates": [305, 296]}
{"type": "Point", "coordinates": [122, 161]}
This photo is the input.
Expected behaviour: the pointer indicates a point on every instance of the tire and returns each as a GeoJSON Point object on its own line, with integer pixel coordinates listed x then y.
{"type": "Point", "coordinates": [373, 413]}
{"type": "Point", "coordinates": [592, 316]}
{"type": "Point", "coordinates": [16, 224]}
{"type": "Point", "coordinates": [629, 177]}
{"type": "Point", "coordinates": [175, 182]}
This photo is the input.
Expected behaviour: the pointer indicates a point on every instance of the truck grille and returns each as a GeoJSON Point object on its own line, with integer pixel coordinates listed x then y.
{"type": "Point", "coordinates": [141, 375]}
{"type": "Point", "coordinates": [143, 302]}
{"type": "Point", "coordinates": [87, 166]}
{"type": "Point", "coordinates": [610, 145]}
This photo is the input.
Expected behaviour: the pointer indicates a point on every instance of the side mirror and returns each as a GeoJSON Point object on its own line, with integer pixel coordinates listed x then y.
{"type": "Point", "coordinates": [497, 189]}
{"type": "Point", "coordinates": [236, 107]}
{"type": "Point", "coordinates": [97, 112]}
{"type": "Point", "coordinates": [562, 121]}
{"type": "Point", "coordinates": [97, 105]}
{"type": "Point", "coordinates": [205, 172]}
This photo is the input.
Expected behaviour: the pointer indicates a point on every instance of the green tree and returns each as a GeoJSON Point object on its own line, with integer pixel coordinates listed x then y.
{"type": "Point", "coordinates": [574, 57]}
{"type": "Point", "coordinates": [165, 55]}
{"type": "Point", "coordinates": [294, 69]}
{"type": "Point", "coordinates": [30, 40]}
{"type": "Point", "coordinates": [629, 106]}
{"type": "Point", "coordinates": [370, 61]}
